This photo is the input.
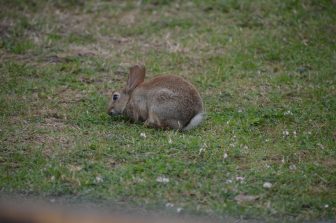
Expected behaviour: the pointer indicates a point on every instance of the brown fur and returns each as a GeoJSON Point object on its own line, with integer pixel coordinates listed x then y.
{"type": "Point", "coordinates": [167, 102]}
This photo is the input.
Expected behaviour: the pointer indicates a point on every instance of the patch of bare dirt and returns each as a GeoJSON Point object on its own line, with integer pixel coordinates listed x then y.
{"type": "Point", "coordinates": [56, 138]}
{"type": "Point", "coordinates": [319, 189]}
{"type": "Point", "coordinates": [50, 134]}
{"type": "Point", "coordinates": [31, 135]}
{"type": "Point", "coordinates": [244, 198]}
{"type": "Point", "coordinates": [65, 142]}
{"type": "Point", "coordinates": [129, 18]}
{"type": "Point", "coordinates": [71, 52]}
{"type": "Point", "coordinates": [67, 95]}
{"type": "Point", "coordinates": [82, 51]}
{"type": "Point", "coordinates": [23, 58]}
{"type": "Point", "coordinates": [107, 48]}
{"type": "Point", "coordinates": [6, 24]}
{"type": "Point", "coordinates": [69, 22]}
{"type": "Point", "coordinates": [329, 163]}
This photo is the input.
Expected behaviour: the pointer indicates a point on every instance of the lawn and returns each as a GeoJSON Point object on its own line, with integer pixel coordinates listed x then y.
{"type": "Point", "coordinates": [266, 71]}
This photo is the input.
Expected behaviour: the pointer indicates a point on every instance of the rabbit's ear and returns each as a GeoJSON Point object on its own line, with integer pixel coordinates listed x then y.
{"type": "Point", "coordinates": [136, 77]}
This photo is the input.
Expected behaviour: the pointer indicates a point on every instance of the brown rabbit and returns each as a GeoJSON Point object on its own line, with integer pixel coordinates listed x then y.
{"type": "Point", "coordinates": [167, 102]}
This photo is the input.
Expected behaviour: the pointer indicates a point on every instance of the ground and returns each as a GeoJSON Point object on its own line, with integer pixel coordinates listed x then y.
{"type": "Point", "coordinates": [265, 70]}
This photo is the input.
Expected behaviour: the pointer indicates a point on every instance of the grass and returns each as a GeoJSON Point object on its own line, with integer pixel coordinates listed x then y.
{"type": "Point", "coordinates": [265, 70]}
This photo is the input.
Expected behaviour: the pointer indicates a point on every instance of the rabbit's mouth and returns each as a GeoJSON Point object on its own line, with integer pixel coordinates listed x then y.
{"type": "Point", "coordinates": [113, 112]}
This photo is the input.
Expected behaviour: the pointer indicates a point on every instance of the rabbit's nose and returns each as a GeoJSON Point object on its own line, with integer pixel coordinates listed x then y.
{"type": "Point", "coordinates": [111, 112]}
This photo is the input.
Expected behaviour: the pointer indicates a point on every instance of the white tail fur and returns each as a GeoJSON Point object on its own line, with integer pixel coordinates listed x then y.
{"type": "Point", "coordinates": [195, 121]}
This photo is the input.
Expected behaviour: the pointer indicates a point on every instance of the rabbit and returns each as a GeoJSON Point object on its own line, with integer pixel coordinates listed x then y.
{"type": "Point", "coordinates": [164, 102]}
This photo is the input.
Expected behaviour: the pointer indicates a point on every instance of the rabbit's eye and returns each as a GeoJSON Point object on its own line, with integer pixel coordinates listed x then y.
{"type": "Point", "coordinates": [115, 97]}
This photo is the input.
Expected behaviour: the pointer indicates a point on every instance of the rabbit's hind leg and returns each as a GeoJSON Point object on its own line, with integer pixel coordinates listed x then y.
{"type": "Point", "coordinates": [153, 120]}
{"type": "Point", "coordinates": [172, 124]}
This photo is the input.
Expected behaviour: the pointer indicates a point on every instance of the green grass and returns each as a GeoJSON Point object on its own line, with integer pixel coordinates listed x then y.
{"type": "Point", "coordinates": [265, 70]}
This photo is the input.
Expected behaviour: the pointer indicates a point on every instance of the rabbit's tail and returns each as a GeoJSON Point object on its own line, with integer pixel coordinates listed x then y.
{"type": "Point", "coordinates": [195, 121]}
